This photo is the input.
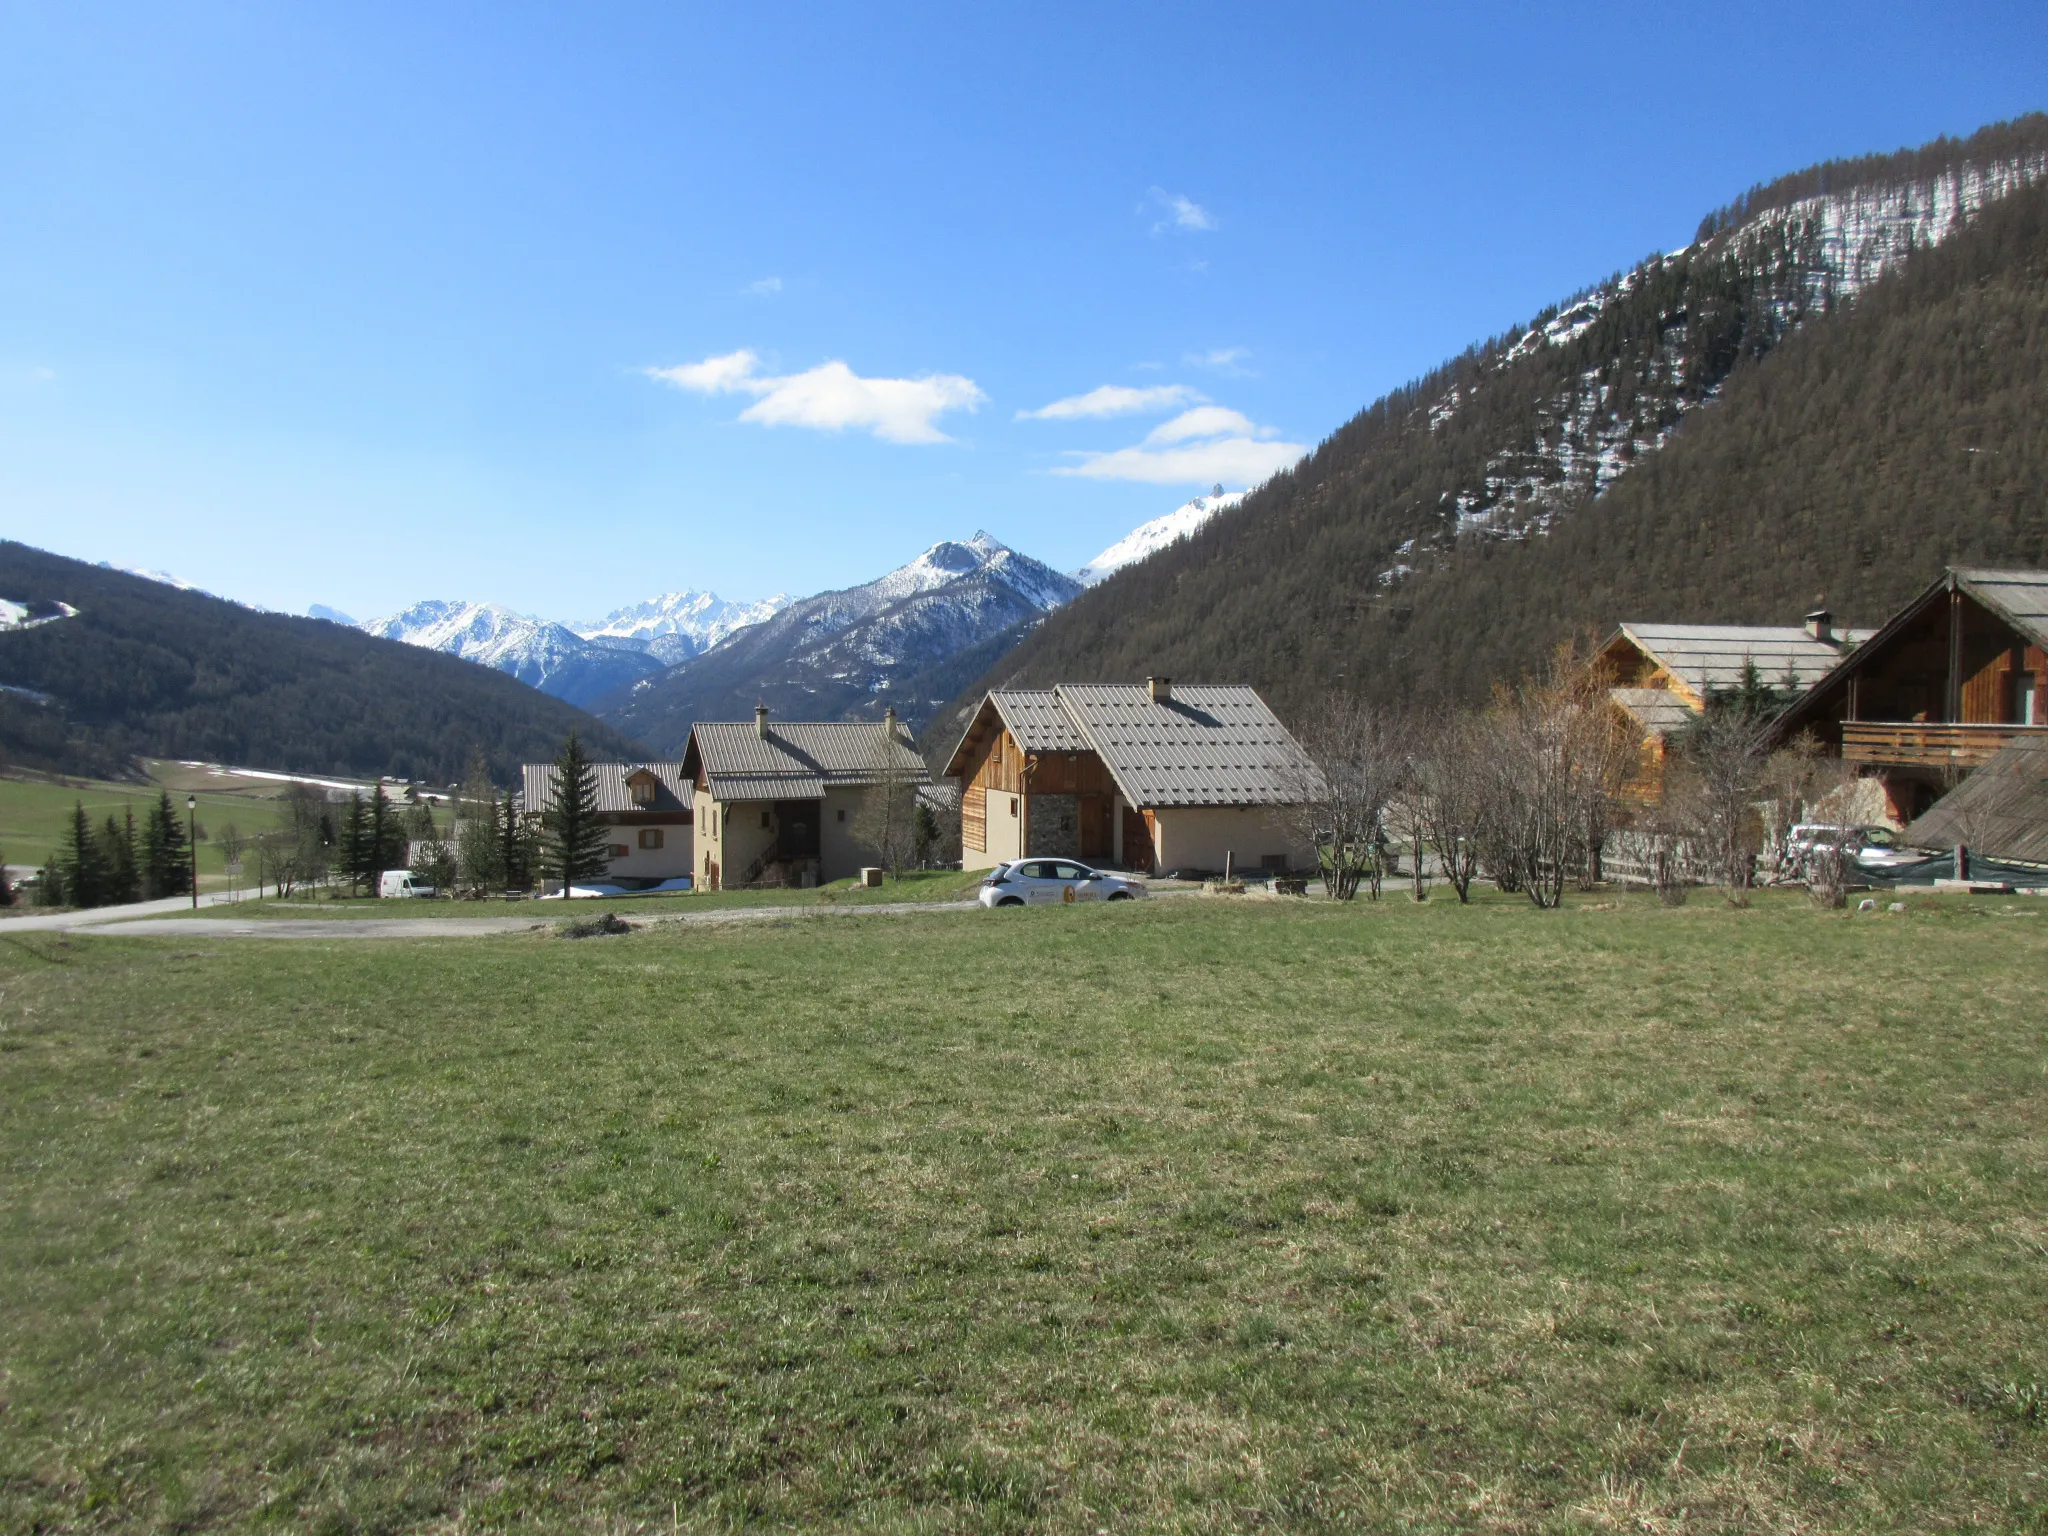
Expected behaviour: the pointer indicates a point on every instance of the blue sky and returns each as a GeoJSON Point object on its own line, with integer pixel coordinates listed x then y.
{"type": "Point", "coordinates": [567, 306]}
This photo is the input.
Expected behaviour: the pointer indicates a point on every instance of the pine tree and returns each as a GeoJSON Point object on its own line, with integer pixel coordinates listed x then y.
{"type": "Point", "coordinates": [166, 861]}
{"type": "Point", "coordinates": [119, 859]}
{"type": "Point", "coordinates": [515, 836]}
{"type": "Point", "coordinates": [387, 837]}
{"type": "Point", "coordinates": [575, 839]}
{"type": "Point", "coordinates": [6, 886]}
{"type": "Point", "coordinates": [478, 846]}
{"type": "Point", "coordinates": [357, 846]}
{"type": "Point", "coordinates": [84, 862]}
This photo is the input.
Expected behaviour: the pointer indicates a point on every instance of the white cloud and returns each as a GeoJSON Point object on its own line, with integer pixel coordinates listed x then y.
{"type": "Point", "coordinates": [1201, 446]}
{"type": "Point", "coordinates": [1226, 360]}
{"type": "Point", "coordinates": [831, 397]}
{"type": "Point", "coordinates": [1177, 211]}
{"type": "Point", "coordinates": [1205, 421]}
{"type": "Point", "coordinates": [713, 376]}
{"type": "Point", "coordinates": [1113, 400]}
{"type": "Point", "coordinates": [1239, 461]}
{"type": "Point", "coordinates": [765, 287]}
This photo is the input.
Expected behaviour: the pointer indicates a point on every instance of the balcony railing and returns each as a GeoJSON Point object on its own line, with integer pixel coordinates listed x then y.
{"type": "Point", "coordinates": [1914, 744]}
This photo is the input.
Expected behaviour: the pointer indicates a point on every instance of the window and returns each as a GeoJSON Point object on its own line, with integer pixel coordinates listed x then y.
{"type": "Point", "coordinates": [764, 821]}
{"type": "Point", "coordinates": [650, 837]}
{"type": "Point", "coordinates": [643, 791]}
{"type": "Point", "coordinates": [618, 850]}
{"type": "Point", "coordinates": [2026, 709]}
{"type": "Point", "coordinates": [1013, 805]}
{"type": "Point", "coordinates": [842, 813]}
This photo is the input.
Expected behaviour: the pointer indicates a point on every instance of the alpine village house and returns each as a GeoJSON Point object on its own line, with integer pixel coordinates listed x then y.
{"type": "Point", "coordinates": [1151, 778]}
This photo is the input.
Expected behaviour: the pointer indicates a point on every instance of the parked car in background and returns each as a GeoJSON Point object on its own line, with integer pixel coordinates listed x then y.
{"type": "Point", "coordinates": [1870, 849]}
{"type": "Point", "coordinates": [1042, 882]}
{"type": "Point", "coordinates": [400, 882]}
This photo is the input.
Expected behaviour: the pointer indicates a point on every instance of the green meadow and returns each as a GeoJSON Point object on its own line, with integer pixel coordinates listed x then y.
{"type": "Point", "coordinates": [1197, 1215]}
{"type": "Point", "coordinates": [35, 812]}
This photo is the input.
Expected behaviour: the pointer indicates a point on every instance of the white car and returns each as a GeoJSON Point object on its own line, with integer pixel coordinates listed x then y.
{"type": "Point", "coordinates": [1043, 882]}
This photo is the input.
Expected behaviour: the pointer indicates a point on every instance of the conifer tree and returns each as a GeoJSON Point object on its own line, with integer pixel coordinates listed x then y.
{"type": "Point", "coordinates": [83, 862]}
{"type": "Point", "coordinates": [357, 845]}
{"type": "Point", "coordinates": [6, 886]}
{"type": "Point", "coordinates": [575, 838]}
{"type": "Point", "coordinates": [515, 836]}
{"type": "Point", "coordinates": [166, 861]}
{"type": "Point", "coordinates": [123, 878]}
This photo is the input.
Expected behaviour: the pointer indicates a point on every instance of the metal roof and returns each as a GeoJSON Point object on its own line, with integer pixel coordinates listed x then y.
{"type": "Point", "coordinates": [2001, 810]}
{"type": "Point", "coordinates": [734, 754]}
{"type": "Point", "coordinates": [1658, 711]}
{"type": "Point", "coordinates": [1034, 716]}
{"type": "Point", "coordinates": [1205, 745]}
{"type": "Point", "coordinates": [538, 780]}
{"type": "Point", "coordinates": [730, 787]}
{"type": "Point", "coordinates": [1707, 657]}
{"type": "Point", "coordinates": [2020, 597]}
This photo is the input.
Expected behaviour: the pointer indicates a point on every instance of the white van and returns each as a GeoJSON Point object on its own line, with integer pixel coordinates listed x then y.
{"type": "Point", "coordinates": [399, 882]}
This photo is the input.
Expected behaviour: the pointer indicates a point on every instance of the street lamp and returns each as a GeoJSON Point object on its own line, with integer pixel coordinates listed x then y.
{"type": "Point", "coordinates": [192, 844]}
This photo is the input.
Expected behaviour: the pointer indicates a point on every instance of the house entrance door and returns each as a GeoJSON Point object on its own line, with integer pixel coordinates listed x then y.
{"type": "Point", "coordinates": [1098, 821]}
{"type": "Point", "coordinates": [1137, 841]}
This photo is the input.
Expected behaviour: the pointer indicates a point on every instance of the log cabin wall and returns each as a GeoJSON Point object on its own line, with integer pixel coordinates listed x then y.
{"type": "Point", "coordinates": [997, 769]}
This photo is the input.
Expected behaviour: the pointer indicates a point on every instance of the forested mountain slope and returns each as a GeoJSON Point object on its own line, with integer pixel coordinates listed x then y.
{"type": "Point", "coordinates": [141, 668]}
{"type": "Point", "coordinates": [1834, 391]}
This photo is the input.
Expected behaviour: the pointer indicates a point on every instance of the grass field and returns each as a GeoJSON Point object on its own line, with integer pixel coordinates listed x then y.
{"type": "Point", "coordinates": [1194, 1215]}
{"type": "Point", "coordinates": [35, 813]}
{"type": "Point", "coordinates": [916, 885]}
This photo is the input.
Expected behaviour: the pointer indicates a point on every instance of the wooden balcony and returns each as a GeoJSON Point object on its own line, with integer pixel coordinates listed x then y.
{"type": "Point", "coordinates": [1900, 744]}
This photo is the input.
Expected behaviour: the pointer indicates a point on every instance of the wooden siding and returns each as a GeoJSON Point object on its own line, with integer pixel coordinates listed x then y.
{"type": "Point", "coordinates": [974, 818]}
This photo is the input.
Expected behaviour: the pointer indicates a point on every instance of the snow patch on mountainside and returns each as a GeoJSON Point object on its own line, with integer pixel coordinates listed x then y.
{"type": "Point", "coordinates": [17, 616]}
{"type": "Point", "coordinates": [678, 625]}
{"type": "Point", "coordinates": [1807, 256]}
{"type": "Point", "coordinates": [1150, 538]}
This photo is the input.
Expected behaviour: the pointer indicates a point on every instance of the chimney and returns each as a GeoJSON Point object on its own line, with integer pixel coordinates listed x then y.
{"type": "Point", "coordinates": [1159, 689]}
{"type": "Point", "coordinates": [761, 721]}
{"type": "Point", "coordinates": [889, 722]}
{"type": "Point", "coordinates": [1820, 625]}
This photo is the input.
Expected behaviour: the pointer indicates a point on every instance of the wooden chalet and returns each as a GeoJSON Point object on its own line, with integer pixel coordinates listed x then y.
{"type": "Point", "coordinates": [1954, 678]}
{"type": "Point", "coordinates": [645, 808]}
{"type": "Point", "coordinates": [1145, 778]}
{"type": "Point", "coordinates": [1663, 674]}
{"type": "Point", "coordinates": [775, 804]}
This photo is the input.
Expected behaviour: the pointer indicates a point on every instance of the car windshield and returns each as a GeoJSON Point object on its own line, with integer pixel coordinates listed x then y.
{"type": "Point", "coordinates": [1880, 837]}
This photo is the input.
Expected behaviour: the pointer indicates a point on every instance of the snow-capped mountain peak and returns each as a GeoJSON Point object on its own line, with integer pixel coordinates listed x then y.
{"type": "Point", "coordinates": [700, 618]}
{"type": "Point", "coordinates": [1150, 538]}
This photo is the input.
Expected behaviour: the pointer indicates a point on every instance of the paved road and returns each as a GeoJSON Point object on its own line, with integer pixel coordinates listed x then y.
{"type": "Point", "coordinates": [436, 927]}
{"type": "Point", "coordinates": [145, 919]}
{"type": "Point", "coordinates": [42, 922]}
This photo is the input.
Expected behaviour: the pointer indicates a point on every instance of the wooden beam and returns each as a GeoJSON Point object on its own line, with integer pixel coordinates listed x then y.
{"type": "Point", "coordinates": [1955, 656]}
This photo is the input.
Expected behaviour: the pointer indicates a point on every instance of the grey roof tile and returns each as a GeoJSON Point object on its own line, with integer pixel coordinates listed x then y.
{"type": "Point", "coordinates": [1206, 745]}
{"type": "Point", "coordinates": [834, 752]}
{"type": "Point", "coordinates": [1706, 657]}
{"type": "Point", "coordinates": [2022, 596]}
{"type": "Point", "coordinates": [537, 786]}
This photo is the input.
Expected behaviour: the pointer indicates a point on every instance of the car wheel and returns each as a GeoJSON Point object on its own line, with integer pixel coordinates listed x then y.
{"type": "Point", "coordinates": [1011, 901]}
{"type": "Point", "coordinates": [1120, 896]}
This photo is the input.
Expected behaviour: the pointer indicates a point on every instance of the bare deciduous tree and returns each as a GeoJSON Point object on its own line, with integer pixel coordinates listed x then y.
{"type": "Point", "coordinates": [479, 843]}
{"type": "Point", "coordinates": [1712, 788]}
{"type": "Point", "coordinates": [1355, 765]}
{"type": "Point", "coordinates": [1553, 756]}
{"type": "Point", "coordinates": [1445, 794]}
{"type": "Point", "coordinates": [886, 821]}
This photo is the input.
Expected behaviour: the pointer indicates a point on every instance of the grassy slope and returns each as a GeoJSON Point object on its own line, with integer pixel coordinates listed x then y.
{"type": "Point", "coordinates": [35, 815]}
{"type": "Point", "coordinates": [1190, 1215]}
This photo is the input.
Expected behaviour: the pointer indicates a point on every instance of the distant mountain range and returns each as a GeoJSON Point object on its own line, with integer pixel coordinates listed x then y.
{"type": "Point", "coordinates": [610, 663]}
{"type": "Point", "coordinates": [907, 639]}
{"type": "Point", "coordinates": [99, 667]}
